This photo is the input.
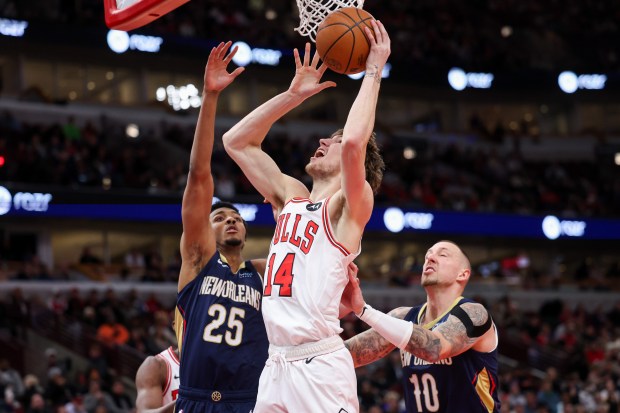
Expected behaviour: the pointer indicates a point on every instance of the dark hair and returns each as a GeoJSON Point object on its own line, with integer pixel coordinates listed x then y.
{"type": "Point", "coordinates": [223, 204]}
{"type": "Point", "coordinates": [373, 164]}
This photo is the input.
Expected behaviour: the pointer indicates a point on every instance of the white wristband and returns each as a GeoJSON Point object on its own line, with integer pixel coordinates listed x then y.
{"type": "Point", "coordinates": [394, 330]}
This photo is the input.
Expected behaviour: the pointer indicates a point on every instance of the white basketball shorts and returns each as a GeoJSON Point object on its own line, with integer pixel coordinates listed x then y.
{"type": "Point", "coordinates": [311, 378]}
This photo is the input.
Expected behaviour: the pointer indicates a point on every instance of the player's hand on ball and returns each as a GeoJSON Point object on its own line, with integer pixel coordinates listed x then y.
{"type": "Point", "coordinates": [216, 73]}
{"type": "Point", "coordinates": [307, 80]}
{"type": "Point", "coordinates": [379, 46]}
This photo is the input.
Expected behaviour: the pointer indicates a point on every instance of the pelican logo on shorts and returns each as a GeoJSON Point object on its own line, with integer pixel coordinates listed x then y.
{"type": "Point", "coordinates": [314, 207]}
{"type": "Point", "coordinates": [216, 396]}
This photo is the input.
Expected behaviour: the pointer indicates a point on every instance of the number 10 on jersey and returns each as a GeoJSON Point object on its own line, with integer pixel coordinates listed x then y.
{"type": "Point", "coordinates": [282, 277]}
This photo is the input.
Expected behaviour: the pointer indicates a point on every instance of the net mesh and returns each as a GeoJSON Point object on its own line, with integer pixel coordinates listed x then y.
{"type": "Point", "coordinates": [313, 12]}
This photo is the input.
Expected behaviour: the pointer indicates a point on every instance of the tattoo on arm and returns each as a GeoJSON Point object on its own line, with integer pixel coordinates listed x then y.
{"type": "Point", "coordinates": [456, 332]}
{"type": "Point", "coordinates": [367, 347]}
{"type": "Point", "coordinates": [374, 73]}
{"type": "Point", "coordinates": [370, 346]}
{"type": "Point", "coordinates": [426, 345]}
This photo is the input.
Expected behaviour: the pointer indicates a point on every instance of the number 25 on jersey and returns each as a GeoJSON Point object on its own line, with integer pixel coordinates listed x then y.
{"type": "Point", "coordinates": [282, 277]}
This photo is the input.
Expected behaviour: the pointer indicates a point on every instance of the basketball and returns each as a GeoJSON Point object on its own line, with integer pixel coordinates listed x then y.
{"type": "Point", "coordinates": [341, 41]}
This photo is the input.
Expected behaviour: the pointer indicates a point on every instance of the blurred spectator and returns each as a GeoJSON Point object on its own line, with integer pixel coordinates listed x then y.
{"type": "Point", "coordinates": [134, 259]}
{"type": "Point", "coordinates": [10, 378]}
{"type": "Point", "coordinates": [96, 400]}
{"type": "Point", "coordinates": [97, 361]}
{"type": "Point", "coordinates": [58, 391]}
{"type": "Point", "coordinates": [37, 405]}
{"type": "Point", "coordinates": [121, 399]}
{"type": "Point", "coordinates": [31, 387]}
{"type": "Point", "coordinates": [76, 405]}
{"type": "Point", "coordinates": [87, 257]}
{"type": "Point", "coordinates": [18, 311]}
{"type": "Point", "coordinates": [111, 332]}
{"type": "Point", "coordinates": [161, 332]}
{"type": "Point", "coordinates": [70, 130]}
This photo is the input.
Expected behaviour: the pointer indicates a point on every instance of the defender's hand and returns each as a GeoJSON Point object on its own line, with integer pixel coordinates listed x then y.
{"type": "Point", "coordinates": [216, 76]}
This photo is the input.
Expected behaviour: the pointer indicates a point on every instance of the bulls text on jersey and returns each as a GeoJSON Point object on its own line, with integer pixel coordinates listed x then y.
{"type": "Point", "coordinates": [287, 230]}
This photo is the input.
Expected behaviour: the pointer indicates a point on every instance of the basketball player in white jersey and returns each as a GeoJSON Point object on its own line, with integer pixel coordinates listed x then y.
{"type": "Point", "coordinates": [317, 236]}
{"type": "Point", "coordinates": [157, 382]}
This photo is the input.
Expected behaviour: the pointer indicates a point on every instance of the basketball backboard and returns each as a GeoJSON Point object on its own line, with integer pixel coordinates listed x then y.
{"type": "Point", "coordinates": [131, 14]}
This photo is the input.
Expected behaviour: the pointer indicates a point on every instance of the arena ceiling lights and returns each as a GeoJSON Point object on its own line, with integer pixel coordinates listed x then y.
{"type": "Point", "coordinates": [570, 82]}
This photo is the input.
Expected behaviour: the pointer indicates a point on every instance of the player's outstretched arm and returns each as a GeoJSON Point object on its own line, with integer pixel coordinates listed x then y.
{"type": "Point", "coordinates": [463, 329]}
{"type": "Point", "coordinates": [197, 241]}
{"type": "Point", "coordinates": [150, 380]}
{"type": "Point", "coordinates": [456, 335]}
{"type": "Point", "coordinates": [359, 127]}
{"type": "Point", "coordinates": [243, 141]}
{"type": "Point", "coordinates": [368, 347]}
{"type": "Point", "coordinates": [450, 339]}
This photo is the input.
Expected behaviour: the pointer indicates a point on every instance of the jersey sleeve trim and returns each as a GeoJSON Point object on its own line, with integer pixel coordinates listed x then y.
{"type": "Point", "coordinates": [168, 373]}
{"type": "Point", "coordinates": [299, 200]}
{"type": "Point", "coordinates": [328, 230]}
{"type": "Point", "coordinates": [173, 355]}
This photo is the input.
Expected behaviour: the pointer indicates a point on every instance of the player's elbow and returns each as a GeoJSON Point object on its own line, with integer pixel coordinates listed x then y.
{"type": "Point", "coordinates": [200, 174]}
{"type": "Point", "coordinates": [353, 147]}
{"type": "Point", "coordinates": [229, 141]}
{"type": "Point", "coordinates": [234, 145]}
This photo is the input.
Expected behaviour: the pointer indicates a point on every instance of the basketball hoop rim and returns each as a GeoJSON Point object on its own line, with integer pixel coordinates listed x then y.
{"type": "Point", "coordinates": [138, 14]}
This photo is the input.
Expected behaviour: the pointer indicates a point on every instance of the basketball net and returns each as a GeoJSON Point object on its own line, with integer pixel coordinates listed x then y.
{"type": "Point", "coordinates": [313, 12]}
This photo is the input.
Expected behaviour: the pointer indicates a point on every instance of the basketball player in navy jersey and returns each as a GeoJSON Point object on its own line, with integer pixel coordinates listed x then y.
{"type": "Point", "coordinates": [318, 234]}
{"type": "Point", "coordinates": [157, 382]}
{"type": "Point", "coordinates": [448, 346]}
{"type": "Point", "coordinates": [221, 333]}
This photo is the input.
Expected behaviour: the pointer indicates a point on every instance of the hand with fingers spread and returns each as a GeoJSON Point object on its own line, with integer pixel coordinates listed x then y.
{"type": "Point", "coordinates": [379, 47]}
{"type": "Point", "coordinates": [307, 80]}
{"type": "Point", "coordinates": [217, 77]}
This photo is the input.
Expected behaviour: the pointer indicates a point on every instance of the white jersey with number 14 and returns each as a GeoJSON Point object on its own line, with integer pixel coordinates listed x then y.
{"type": "Point", "coordinates": [305, 276]}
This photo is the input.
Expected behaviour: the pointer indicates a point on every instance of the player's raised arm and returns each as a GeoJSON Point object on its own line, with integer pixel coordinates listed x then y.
{"type": "Point", "coordinates": [359, 127]}
{"type": "Point", "coordinates": [197, 241]}
{"type": "Point", "coordinates": [149, 378]}
{"type": "Point", "coordinates": [243, 141]}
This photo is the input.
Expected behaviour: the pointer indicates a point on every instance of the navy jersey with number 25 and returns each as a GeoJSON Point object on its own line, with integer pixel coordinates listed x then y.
{"type": "Point", "coordinates": [224, 346]}
{"type": "Point", "coordinates": [466, 383]}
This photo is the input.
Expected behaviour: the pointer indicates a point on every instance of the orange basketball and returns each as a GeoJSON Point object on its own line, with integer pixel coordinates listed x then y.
{"type": "Point", "coordinates": [341, 41]}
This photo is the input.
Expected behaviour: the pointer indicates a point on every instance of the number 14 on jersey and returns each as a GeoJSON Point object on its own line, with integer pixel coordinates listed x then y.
{"type": "Point", "coordinates": [282, 277]}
